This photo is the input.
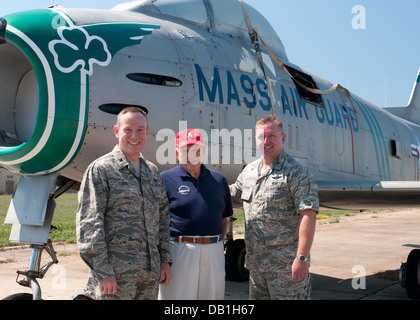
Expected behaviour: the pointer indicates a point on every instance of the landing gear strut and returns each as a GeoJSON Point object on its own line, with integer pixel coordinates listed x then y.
{"type": "Point", "coordinates": [34, 272]}
{"type": "Point", "coordinates": [37, 194]}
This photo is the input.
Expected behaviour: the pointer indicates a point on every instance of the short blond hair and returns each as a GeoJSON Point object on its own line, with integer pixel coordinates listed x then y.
{"type": "Point", "coordinates": [270, 119]}
{"type": "Point", "coordinates": [131, 109]}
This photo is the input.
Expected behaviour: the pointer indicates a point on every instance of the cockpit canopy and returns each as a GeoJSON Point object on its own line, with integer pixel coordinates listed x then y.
{"type": "Point", "coordinates": [223, 16]}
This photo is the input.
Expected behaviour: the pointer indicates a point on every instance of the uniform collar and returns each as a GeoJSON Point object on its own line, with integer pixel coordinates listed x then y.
{"type": "Point", "coordinates": [121, 160]}
{"type": "Point", "coordinates": [280, 161]}
{"type": "Point", "coordinates": [276, 165]}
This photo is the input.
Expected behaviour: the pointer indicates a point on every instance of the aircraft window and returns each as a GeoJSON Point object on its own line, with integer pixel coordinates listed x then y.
{"type": "Point", "coordinates": [226, 15]}
{"type": "Point", "coordinates": [308, 82]}
{"type": "Point", "coordinates": [154, 79]}
{"type": "Point", "coordinates": [229, 19]}
{"type": "Point", "coordinates": [191, 10]}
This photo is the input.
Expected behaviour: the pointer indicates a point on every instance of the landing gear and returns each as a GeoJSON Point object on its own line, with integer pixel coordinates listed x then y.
{"type": "Point", "coordinates": [235, 261]}
{"type": "Point", "coordinates": [37, 194]}
{"type": "Point", "coordinates": [20, 296]}
{"type": "Point", "coordinates": [235, 256]}
{"type": "Point", "coordinates": [34, 272]}
{"type": "Point", "coordinates": [410, 275]}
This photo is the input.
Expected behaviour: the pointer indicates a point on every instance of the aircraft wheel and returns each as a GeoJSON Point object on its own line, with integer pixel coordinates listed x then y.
{"type": "Point", "coordinates": [403, 275]}
{"type": "Point", "coordinates": [19, 296]}
{"type": "Point", "coordinates": [235, 261]}
{"type": "Point", "coordinates": [82, 297]}
{"type": "Point", "coordinates": [413, 275]}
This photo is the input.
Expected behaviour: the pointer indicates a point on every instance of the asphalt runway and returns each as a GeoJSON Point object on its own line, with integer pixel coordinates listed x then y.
{"type": "Point", "coordinates": [356, 258]}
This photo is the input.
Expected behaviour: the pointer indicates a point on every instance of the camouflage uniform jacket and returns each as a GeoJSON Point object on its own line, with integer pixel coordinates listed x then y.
{"type": "Point", "coordinates": [272, 200]}
{"type": "Point", "coordinates": [122, 220]}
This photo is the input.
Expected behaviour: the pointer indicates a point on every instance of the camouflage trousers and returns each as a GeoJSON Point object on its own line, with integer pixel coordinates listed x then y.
{"type": "Point", "coordinates": [133, 288]}
{"type": "Point", "coordinates": [278, 286]}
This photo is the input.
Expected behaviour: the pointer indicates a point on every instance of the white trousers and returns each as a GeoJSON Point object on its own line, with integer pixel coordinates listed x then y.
{"type": "Point", "coordinates": [198, 272]}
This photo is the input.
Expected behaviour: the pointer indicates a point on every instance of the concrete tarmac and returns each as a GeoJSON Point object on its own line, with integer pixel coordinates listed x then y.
{"type": "Point", "coordinates": [370, 246]}
{"type": "Point", "coordinates": [357, 258]}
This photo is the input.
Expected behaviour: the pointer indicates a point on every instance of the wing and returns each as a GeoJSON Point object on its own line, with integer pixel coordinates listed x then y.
{"type": "Point", "coordinates": [368, 195]}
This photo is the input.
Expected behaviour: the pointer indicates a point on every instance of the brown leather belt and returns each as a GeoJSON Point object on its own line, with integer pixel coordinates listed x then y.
{"type": "Point", "coordinates": [207, 240]}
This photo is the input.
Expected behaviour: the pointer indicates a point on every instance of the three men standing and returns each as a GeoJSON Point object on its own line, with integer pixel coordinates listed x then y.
{"type": "Point", "coordinates": [123, 219]}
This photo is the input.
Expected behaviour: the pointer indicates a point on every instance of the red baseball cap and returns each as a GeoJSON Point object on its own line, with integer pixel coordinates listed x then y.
{"type": "Point", "coordinates": [189, 136]}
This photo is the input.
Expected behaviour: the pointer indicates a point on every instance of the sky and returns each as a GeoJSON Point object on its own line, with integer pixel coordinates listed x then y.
{"type": "Point", "coordinates": [368, 46]}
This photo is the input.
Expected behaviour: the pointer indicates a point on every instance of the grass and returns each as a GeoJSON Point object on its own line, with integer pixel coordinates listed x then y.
{"type": "Point", "coordinates": [64, 220]}
{"type": "Point", "coordinates": [334, 216]}
{"type": "Point", "coordinates": [322, 217]}
{"type": "Point", "coordinates": [238, 214]}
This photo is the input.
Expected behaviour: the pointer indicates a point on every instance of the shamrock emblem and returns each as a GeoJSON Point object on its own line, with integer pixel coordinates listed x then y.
{"type": "Point", "coordinates": [76, 48]}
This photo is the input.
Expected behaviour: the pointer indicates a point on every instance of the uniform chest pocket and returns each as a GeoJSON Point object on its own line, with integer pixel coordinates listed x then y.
{"type": "Point", "coordinates": [151, 187]}
{"type": "Point", "coordinates": [246, 194]}
{"type": "Point", "coordinates": [276, 191]}
{"type": "Point", "coordinates": [124, 188]}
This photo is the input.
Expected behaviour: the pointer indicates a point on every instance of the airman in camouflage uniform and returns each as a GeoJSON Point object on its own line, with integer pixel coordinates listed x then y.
{"type": "Point", "coordinates": [280, 203]}
{"type": "Point", "coordinates": [123, 223]}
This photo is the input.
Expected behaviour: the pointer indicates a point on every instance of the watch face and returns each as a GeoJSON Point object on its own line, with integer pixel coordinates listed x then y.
{"type": "Point", "coordinates": [302, 258]}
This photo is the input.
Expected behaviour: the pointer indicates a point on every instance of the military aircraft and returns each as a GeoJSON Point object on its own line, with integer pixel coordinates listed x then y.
{"type": "Point", "coordinates": [217, 65]}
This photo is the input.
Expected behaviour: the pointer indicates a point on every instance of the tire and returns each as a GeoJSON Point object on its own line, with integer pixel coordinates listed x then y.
{"type": "Point", "coordinates": [19, 296]}
{"type": "Point", "coordinates": [82, 297]}
{"type": "Point", "coordinates": [235, 261]}
{"type": "Point", "coordinates": [413, 275]}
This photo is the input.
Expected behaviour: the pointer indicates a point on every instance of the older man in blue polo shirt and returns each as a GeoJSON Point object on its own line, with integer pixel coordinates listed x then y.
{"type": "Point", "coordinates": [200, 202]}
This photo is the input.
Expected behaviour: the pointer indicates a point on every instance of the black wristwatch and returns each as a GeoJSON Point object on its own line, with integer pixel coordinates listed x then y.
{"type": "Point", "coordinates": [301, 257]}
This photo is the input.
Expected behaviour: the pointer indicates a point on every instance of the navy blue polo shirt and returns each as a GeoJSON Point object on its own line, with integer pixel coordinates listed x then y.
{"type": "Point", "coordinates": [197, 205]}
